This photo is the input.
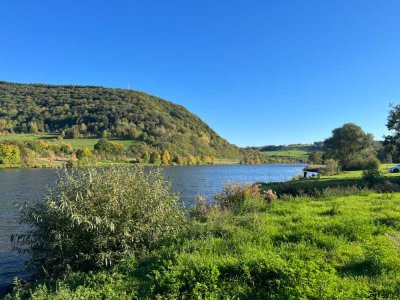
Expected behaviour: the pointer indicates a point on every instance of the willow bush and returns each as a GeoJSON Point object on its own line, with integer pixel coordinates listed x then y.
{"type": "Point", "coordinates": [95, 217]}
{"type": "Point", "coordinates": [234, 196]}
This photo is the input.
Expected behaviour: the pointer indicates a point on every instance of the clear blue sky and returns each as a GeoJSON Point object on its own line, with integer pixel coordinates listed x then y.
{"type": "Point", "coordinates": [258, 72]}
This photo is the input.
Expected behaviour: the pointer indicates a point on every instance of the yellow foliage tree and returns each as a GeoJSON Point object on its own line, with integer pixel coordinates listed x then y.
{"type": "Point", "coordinates": [165, 157]}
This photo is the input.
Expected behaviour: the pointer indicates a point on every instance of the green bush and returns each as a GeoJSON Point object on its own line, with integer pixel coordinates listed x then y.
{"type": "Point", "coordinates": [85, 155]}
{"type": "Point", "coordinates": [372, 177]}
{"type": "Point", "coordinates": [95, 217]}
{"type": "Point", "coordinates": [9, 154]}
{"type": "Point", "coordinates": [234, 195]}
{"type": "Point", "coordinates": [363, 163]}
{"type": "Point", "coordinates": [331, 167]}
{"type": "Point", "coordinates": [103, 146]}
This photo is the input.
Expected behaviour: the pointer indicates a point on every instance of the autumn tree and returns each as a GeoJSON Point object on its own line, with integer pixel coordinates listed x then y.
{"type": "Point", "coordinates": [165, 157]}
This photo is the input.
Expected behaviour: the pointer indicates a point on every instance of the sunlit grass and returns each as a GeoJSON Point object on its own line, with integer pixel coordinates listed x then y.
{"type": "Point", "coordinates": [297, 154]}
{"type": "Point", "coordinates": [341, 247]}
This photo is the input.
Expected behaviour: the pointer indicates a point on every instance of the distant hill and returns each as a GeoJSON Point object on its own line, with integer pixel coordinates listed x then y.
{"type": "Point", "coordinates": [317, 146]}
{"type": "Point", "coordinates": [94, 111]}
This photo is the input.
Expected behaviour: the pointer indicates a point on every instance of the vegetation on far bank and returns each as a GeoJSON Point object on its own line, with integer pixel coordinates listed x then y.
{"type": "Point", "coordinates": [52, 150]}
{"type": "Point", "coordinates": [98, 112]}
{"type": "Point", "coordinates": [249, 244]}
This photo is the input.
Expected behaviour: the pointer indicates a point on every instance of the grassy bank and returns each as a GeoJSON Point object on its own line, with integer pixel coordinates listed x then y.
{"type": "Point", "coordinates": [342, 243]}
{"type": "Point", "coordinates": [336, 247]}
{"type": "Point", "coordinates": [314, 185]}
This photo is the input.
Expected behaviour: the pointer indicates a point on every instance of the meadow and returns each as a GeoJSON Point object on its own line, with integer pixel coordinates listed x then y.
{"type": "Point", "coordinates": [295, 154]}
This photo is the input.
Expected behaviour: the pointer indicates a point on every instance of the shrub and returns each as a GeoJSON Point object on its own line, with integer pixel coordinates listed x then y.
{"type": "Point", "coordinates": [200, 210]}
{"type": "Point", "coordinates": [361, 163]}
{"type": "Point", "coordinates": [387, 187]}
{"type": "Point", "coordinates": [28, 157]}
{"type": "Point", "coordinates": [104, 146]}
{"type": "Point", "coordinates": [95, 217]}
{"type": "Point", "coordinates": [66, 148]}
{"type": "Point", "coordinates": [234, 195]}
{"type": "Point", "coordinates": [331, 167]}
{"type": "Point", "coordinates": [9, 154]}
{"type": "Point", "coordinates": [270, 196]}
{"type": "Point", "coordinates": [372, 177]}
{"type": "Point", "coordinates": [84, 155]}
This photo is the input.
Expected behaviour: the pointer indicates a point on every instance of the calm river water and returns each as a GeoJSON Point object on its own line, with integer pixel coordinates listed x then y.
{"type": "Point", "coordinates": [189, 181]}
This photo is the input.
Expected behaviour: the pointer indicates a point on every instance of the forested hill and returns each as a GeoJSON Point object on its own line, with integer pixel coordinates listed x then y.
{"type": "Point", "coordinates": [93, 111]}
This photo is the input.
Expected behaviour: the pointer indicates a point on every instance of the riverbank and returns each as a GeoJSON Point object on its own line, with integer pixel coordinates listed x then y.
{"type": "Point", "coordinates": [54, 151]}
{"type": "Point", "coordinates": [315, 185]}
{"type": "Point", "coordinates": [330, 247]}
{"type": "Point", "coordinates": [339, 243]}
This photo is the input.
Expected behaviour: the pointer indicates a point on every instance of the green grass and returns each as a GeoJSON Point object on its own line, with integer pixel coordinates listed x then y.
{"type": "Point", "coordinates": [27, 137]}
{"type": "Point", "coordinates": [337, 247]}
{"type": "Point", "coordinates": [357, 174]}
{"type": "Point", "coordinates": [314, 185]}
{"type": "Point", "coordinates": [225, 161]}
{"type": "Point", "coordinates": [296, 154]}
{"type": "Point", "coordinates": [75, 143]}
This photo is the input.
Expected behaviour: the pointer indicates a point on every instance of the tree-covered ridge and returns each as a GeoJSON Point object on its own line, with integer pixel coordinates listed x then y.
{"type": "Point", "coordinates": [94, 111]}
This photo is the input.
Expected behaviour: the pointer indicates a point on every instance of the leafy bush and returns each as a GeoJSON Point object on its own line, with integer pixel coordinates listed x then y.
{"type": "Point", "coordinates": [104, 146]}
{"type": "Point", "coordinates": [85, 155]}
{"type": "Point", "coordinates": [234, 195]}
{"type": "Point", "coordinates": [9, 154]}
{"type": "Point", "coordinates": [363, 163]}
{"type": "Point", "coordinates": [331, 167]}
{"type": "Point", "coordinates": [372, 177]}
{"type": "Point", "coordinates": [95, 217]}
{"type": "Point", "coordinates": [200, 210]}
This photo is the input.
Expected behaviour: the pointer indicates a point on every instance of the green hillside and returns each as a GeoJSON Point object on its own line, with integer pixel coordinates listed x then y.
{"type": "Point", "coordinates": [93, 112]}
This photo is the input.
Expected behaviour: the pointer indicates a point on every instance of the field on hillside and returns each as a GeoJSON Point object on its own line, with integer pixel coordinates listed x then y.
{"type": "Point", "coordinates": [75, 143]}
{"type": "Point", "coordinates": [296, 154]}
{"type": "Point", "coordinates": [331, 247]}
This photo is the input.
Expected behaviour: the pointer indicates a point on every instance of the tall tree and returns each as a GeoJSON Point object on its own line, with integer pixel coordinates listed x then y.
{"type": "Point", "coordinates": [392, 141]}
{"type": "Point", "coordinates": [351, 146]}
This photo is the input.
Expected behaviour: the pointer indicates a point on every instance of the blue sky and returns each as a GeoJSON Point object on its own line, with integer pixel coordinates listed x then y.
{"type": "Point", "coordinates": [258, 72]}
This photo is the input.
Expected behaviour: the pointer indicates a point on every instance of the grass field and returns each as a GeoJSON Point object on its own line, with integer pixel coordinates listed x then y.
{"type": "Point", "coordinates": [75, 143]}
{"type": "Point", "coordinates": [296, 154]}
{"type": "Point", "coordinates": [315, 185]}
{"type": "Point", "coordinates": [337, 247]}
{"type": "Point", "coordinates": [357, 174]}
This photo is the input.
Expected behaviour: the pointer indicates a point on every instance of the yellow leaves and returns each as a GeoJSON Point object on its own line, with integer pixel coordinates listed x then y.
{"type": "Point", "coordinates": [9, 153]}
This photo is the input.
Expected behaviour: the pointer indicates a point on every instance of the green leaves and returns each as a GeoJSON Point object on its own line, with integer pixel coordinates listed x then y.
{"type": "Point", "coordinates": [94, 217]}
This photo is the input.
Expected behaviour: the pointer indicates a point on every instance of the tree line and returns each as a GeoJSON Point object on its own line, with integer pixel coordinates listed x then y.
{"type": "Point", "coordinates": [98, 112]}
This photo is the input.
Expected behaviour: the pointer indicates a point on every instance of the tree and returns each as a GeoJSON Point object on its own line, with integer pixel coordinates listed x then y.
{"type": "Point", "coordinates": [165, 157]}
{"type": "Point", "coordinates": [392, 141]}
{"type": "Point", "coordinates": [155, 158]}
{"type": "Point", "coordinates": [352, 147]}
{"type": "Point", "coordinates": [315, 157]}
{"type": "Point", "coordinates": [178, 160]}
